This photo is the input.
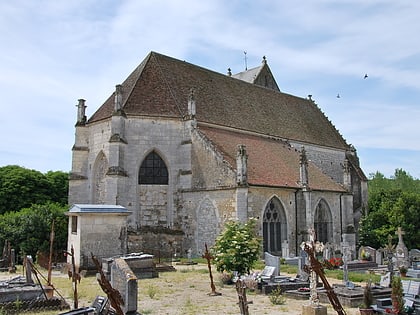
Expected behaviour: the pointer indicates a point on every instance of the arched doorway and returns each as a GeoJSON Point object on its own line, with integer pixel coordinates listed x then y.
{"type": "Point", "coordinates": [323, 222]}
{"type": "Point", "coordinates": [274, 227]}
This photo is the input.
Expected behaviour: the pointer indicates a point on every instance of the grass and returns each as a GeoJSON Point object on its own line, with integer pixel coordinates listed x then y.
{"type": "Point", "coordinates": [171, 284]}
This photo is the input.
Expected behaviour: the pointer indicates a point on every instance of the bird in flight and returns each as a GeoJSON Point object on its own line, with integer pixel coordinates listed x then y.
{"type": "Point", "coordinates": [365, 76]}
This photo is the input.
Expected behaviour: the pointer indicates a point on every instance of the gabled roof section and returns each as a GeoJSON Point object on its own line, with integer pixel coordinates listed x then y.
{"type": "Point", "coordinates": [271, 162]}
{"type": "Point", "coordinates": [261, 76]}
{"type": "Point", "coordinates": [160, 86]}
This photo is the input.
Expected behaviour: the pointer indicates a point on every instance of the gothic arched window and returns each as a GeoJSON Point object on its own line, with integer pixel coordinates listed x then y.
{"type": "Point", "coordinates": [323, 222]}
{"type": "Point", "coordinates": [274, 227]}
{"type": "Point", "coordinates": [153, 170]}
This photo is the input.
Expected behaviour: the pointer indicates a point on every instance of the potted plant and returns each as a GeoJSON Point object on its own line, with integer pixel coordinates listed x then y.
{"type": "Point", "coordinates": [397, 295]}
{"type": "Point", "coordinates": [403, 270]}
{"type": "Point", "coordinates": [366, 307]}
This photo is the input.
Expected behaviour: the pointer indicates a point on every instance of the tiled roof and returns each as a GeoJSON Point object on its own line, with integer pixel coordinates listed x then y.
{"type": "Point", "coordinates": [248, 75]}
{"type": "Point", "coordinates": [160, 86]}
{"type": "Point", "coordinates": [270, 162]}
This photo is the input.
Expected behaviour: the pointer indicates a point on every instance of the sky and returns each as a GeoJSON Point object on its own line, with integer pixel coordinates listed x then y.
{"type": "Point", "coordinates": [56, 52]}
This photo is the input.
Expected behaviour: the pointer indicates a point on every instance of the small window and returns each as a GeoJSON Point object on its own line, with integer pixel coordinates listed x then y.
{"type": "Point", "coordinates": [74, 225]}
{"type": "Point", "coordinates": [153, 171]}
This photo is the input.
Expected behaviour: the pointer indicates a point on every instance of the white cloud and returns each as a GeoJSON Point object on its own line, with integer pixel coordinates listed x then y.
{"type": "Point", "coordinates": [57, 52]}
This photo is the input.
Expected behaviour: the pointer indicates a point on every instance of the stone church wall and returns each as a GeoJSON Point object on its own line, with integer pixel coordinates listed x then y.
{"type": "Point", "coordinates": [209, 170]}
{"type": "Point", "coordinates": [258, 200]}
{"type": "Point", "coordinates": [203, 215]}
{"type": "Point", "coordinates": [334, 204]}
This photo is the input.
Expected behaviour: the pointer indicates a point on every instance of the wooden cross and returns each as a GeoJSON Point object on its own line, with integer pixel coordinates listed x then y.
{"type": "Point", "coordinates": [209, 257]}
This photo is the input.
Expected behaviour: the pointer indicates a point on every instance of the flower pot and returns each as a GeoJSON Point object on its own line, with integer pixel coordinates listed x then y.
{"type": "Point", "coordinates": [366, 311]}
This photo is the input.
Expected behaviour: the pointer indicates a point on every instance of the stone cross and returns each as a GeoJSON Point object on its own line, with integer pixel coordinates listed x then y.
{"type": "Point", "coordinates": [401, 250]}
{"type": "Point", "coordinates": [209, 257]}
{"type": "Point", "coordinates": [346, 258]}
{"type": "Point", "coordinates": [400, 233]}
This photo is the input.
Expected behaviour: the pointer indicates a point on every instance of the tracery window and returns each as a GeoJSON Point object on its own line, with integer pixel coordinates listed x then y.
{"type": "Point", "coordinates": [274, 227]}
{"type": "Point", "coordinates": [153, 170]}
{"type": "Point", "coordinates": [323, 222]}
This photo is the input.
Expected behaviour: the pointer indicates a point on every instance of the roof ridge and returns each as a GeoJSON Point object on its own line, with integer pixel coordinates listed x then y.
{"type": "Point", "coordinates": [162, 73]}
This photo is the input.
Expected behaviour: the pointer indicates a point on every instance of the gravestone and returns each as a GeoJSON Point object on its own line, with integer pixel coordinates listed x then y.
{"type": "Point", "coordinates": [350, 239]}
{"type": "Point", "coordinates": [268, 273]}
{"type": "Point", "coordinates": [124, 280]}
{"type": "Point", "coordinates": [379, 257]}
{"type": "Point", "coordinates": [346, 258]}
{"type": "Point", "coordinates": [328, 251]}
{"type": "Point", "coordinates": [414, 256]}
{"type": "Point", "coordinates": [285, 249]}
{"type": "Point", "coordinates": [367, 253]}
{"type": "Point", "coordinates": [303, 260]}
{"type": "Point", "coordinates": [401, 251]}
{"type": "Point", "coordinates": [273, 261]}
{"type": "Point", "coordinates": [385, 280]}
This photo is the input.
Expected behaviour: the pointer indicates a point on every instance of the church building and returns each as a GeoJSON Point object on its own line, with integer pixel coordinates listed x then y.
{"type": "Point", "coordinates": [185, 149]}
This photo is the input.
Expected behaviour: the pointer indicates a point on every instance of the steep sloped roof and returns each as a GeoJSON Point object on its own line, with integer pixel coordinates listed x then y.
{"type": "Point", "coordinates": [270, 162]}
{"type": "Point", "coordinates": [160, 86]}
{"type": "Point", "coordinates": [260, 75]}
{"type": "Point", "coordinates": [249, 75]}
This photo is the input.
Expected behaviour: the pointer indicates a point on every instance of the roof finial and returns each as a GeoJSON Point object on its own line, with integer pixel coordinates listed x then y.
{"type": "Point", "coordinates": [246, 62]}
{"type": "Point", "coordinates": [229, 72]}
{"type": "Point", "coordinates": [264, 61]}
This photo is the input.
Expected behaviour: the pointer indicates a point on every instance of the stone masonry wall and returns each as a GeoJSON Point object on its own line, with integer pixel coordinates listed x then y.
{"type": "Point", "coordinates": [329, 160]}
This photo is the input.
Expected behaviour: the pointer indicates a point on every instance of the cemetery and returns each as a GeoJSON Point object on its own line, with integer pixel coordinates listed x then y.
{"type": "Point", "coordinates": [121, 277]}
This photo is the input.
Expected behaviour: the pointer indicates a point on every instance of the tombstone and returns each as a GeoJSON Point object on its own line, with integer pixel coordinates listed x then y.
{"type": "Point", "coordinates": [346, 258]}
{"type": "Point", "coordinates": [124, 280]}
{"type": "Point", "coordinates": [285, 249]}
{"type": "Point", "coordinates": [414, 269]}
{"type": "Point", "coordinates": [273, 261]}
{"type": "Point", "coordinates": [268, 273]}
{"type": "Point", "coordinates": [28, 269]}
{"type": "Point", "coordinates": [385, 280]}
{"type": "Point", "coordinates": [350, 239]}
{"type": "Point", "coordinates": [401, 251]}
{"type": "Point", "coordinates": [367, 253]}
{"type": "Point", "coordinates": [303, 275]}
{"type": "Point", "coordinates": [189, 252]}
{"type": "Point", "coordinates": [379, 257]}
{"type": "Point", "coordinates": [414, 256]}
{"type": "Point", "coordinates": [328, 251]}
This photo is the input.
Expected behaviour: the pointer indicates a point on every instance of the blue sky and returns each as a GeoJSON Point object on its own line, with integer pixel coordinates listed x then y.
{"type": "Point", "coordinates": [55, 52]}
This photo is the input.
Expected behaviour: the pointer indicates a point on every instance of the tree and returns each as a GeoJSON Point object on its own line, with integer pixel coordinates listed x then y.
{"type": "Point", "coordinates": [237, 248]}
{"type": "Point", "coordinates": [29, 229]}
{"type": "Point", "coordinates": [21, 188]}
{"type": "Point", "coordinates": [393, 203]}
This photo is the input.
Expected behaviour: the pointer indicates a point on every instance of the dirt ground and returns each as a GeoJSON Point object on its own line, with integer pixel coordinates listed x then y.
{"type": "Point", "coordinates": [185, 291]}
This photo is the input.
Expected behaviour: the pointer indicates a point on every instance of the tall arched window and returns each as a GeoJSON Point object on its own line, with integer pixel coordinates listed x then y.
{"type": "Point", "coordinates": [153, 170]}
{"type": "Point", "coordinates": [323, 222]}
{"type": "Point", "coordinates": [274, 227]}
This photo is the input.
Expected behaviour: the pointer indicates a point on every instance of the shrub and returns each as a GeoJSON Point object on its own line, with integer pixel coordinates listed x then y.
{"type": "Point", "coordinates": [237, 248]}
{"type": "Point", "coordinates": [276, 297]}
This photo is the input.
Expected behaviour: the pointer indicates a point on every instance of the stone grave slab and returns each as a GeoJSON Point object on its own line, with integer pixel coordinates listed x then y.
{"type": "Point", "coordinates": [273, 261]}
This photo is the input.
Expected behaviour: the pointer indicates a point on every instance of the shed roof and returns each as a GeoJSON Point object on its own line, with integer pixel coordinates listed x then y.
{"type": "Point", "coordinates": [97, 208]}
{"type": "Point", "coordinates": [271, 162]}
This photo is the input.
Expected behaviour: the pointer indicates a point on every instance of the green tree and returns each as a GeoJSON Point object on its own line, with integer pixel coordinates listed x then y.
{"type": "Point", "coordinates": [29, 229]}
{"type": "Point", "coordinates": [237, 248]}
{"type": "Point", "coordinates": [393, 203]}
{"type": "Point", "coordinates": [21, 188]}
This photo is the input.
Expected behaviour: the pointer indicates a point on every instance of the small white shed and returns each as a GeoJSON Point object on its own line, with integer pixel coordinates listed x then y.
{"type": "Point", "coordinates": [97, 229]}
